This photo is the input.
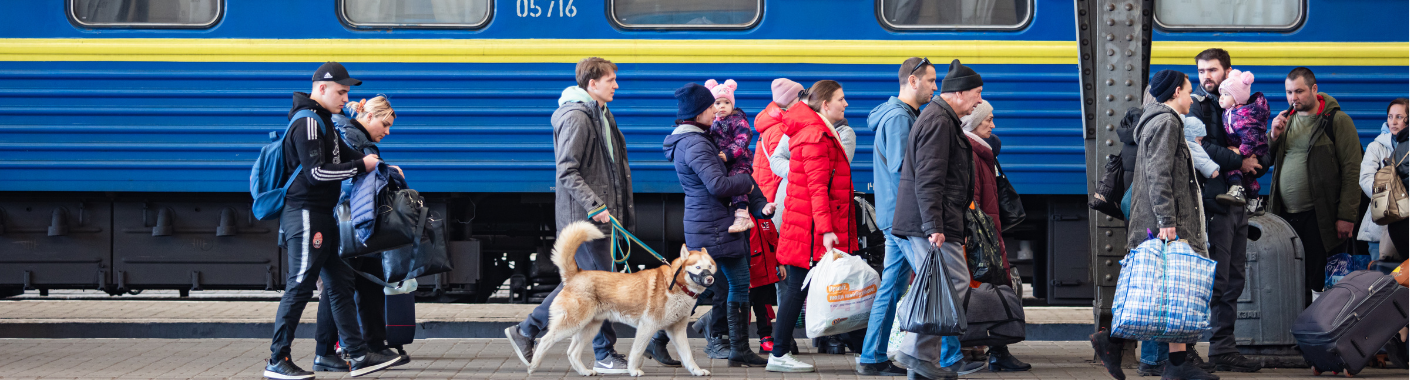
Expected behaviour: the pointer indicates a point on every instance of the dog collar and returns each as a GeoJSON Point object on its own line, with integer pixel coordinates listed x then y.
{"type": "Point", "coordinates": [687, 290]}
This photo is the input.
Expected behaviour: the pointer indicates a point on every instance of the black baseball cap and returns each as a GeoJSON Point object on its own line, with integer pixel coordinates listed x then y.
{"type": "Point", "coordinates": [334, 72]}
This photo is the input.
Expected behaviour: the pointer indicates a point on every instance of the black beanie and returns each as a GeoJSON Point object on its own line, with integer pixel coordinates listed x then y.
{"type": "Point", "coordinates": [1164, 83]}
{"type": "Point", "coordinates": [960, 78]}
{"type": "Point", "coordinates": [691, 100]}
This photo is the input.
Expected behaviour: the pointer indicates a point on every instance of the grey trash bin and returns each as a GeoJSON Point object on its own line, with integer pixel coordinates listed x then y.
{"type": "Point", "coordinates": [1272, 296]}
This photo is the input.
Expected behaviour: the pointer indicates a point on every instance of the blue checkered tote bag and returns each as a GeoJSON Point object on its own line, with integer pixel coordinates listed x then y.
{"type": "Point", "coordinates": [1163, 294]}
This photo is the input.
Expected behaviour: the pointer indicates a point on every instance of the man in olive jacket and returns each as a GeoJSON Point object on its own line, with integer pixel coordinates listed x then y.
{"type": "Point", "coordinates": [1317, 158]}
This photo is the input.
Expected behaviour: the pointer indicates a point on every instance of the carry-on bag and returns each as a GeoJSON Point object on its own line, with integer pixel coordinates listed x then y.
{"type": "Point", "coordinates": [930, 307]}
{"type": "Point", "coordinates": [400, 218]}
{"type": "Point", "coordinates": [995, 316]}
{"type": "Point", "coordinates": [1349, 323]}
{"type": "Point", "coordinates": [1342, 264]}
{"type": "Point", "coordinates": [841, 288]}
{"type": "Point", "coordinates": [427, 257]}
{"type": "Point", "coordinates": [401, 319]}
{"type": "Point", "coordinates": [982, 253]}
{"type": "Point", "coordinates": [1163, 293]}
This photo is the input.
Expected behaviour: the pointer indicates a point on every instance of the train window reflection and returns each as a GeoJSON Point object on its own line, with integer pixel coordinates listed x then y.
{"type": "Point", "coordinates": [383, 14]}
{"type": "Point", "coordinates": [145, 13]}
{"type": "Point", "coordinates": [686, 14]}
{"type": "Point", "coordinates": [1229, 15]}
{"type": "Point", "coordinates": [954, 14]}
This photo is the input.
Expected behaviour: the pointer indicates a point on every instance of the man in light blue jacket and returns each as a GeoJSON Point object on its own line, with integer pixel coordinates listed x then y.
{"type": "Point", "coordinates": [891, 121]}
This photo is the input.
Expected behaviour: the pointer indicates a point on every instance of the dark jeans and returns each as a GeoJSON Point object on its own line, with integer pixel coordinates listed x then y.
{"type": "Point", "coordinates": [790, 303]}
{"type": "Point", "coordinates": [592, 255]}
{"type": "Point", "coordinates": [1228, 246]}
{"type": "Point", "coordinates": [312, 240]}
{"type": "Point", "coordinates": [1314, 256]}
{"type": "Point", "coordinates": [371, 309]}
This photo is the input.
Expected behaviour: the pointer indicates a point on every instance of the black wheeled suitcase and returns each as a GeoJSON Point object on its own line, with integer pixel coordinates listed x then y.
{"type": "Point", "coordinates": [401, 319]}
{"type": "Point", "coordinates": [1349, 323]}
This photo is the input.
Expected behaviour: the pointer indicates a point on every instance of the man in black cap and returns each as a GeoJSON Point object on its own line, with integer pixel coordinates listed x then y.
{"type": "Point", "coordinates": [309, 229]}
{"type": "Point", "coordinates": [935, 187]}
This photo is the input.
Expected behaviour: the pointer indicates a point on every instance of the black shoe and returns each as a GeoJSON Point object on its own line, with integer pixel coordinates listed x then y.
{"type": "Point", "coordinates": [372, 362]}
{"type": "Point", "coordinates": [1193, 357]}
{"type": "Point", "coordinates": [1109, 353]}
{"type": "Point", "coordinates": [717, 347]}
{"type": "Point", "coordinates": [1152, 370]}
{"type": "Point", "coordinates": [740, 355]}
{"type": "Point", "coordinates": [880, 369]}
{"type": "Point", "coordinates": [330, 363]}
{"type": "Point", "coordinates": [1001, 360]}
{"type": "Point", "coordinates": [404, 358]}
{"type": "Point", "coordinates": [1234, 362]}
{"type": "Point", "coordinates": [284, 369]}
{"type": "Point", "coordinates": [831, 345]}
{"type": "Point", "coordinates": [522, 345]}
{"type": "Point", "coordinates": [1186, 371]}
{"type": "Point", "coordinates": [656, 349]}
{"type": "Point", "coordinates": [921, 369]}
{"type": "Point", "coordinates": [964, 367]}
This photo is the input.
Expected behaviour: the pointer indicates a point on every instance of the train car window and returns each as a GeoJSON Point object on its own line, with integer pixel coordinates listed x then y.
{"type": "Point", "coordinates": [145, 13]}
{"type": "Point", "coordinates": [954, 14]}
{"type": "Point", "coordinates": [685, 14]}
{"type": "Point", "coordinates": [1278, 15]}
{"type": "Point", "coordinates": [395, 14]}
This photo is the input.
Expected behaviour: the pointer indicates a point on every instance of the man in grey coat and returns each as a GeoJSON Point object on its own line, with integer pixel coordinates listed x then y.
{"type": "Point", "coordinates": [593, 182]}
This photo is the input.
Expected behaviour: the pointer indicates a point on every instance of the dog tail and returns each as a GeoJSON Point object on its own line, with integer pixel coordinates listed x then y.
{"type": "Point", "coordinates": [568, 241]}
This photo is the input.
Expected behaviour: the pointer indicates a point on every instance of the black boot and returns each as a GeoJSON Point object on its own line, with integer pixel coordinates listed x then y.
{"type": "Point", "coordinates": [1109, 353]}
{"type": "Point", "coordinates": [656, 349]}
{"type": "Point", "coordinates": [1001, 360]}
{"type": "Point", "coordinates": [740, 354]}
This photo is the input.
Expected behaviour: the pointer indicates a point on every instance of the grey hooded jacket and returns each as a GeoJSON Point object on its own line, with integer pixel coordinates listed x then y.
{"type": "Point", "coordinates": [1166, 192]}
{"type": "Point", "coordinates": [587, 177]}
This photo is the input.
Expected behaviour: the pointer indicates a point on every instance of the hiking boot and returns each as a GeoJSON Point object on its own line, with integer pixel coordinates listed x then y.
{"type": "Point", "coordinates": [880, 369]}
{"type": "Point", "coordinates": [1152, 369]}
{"type": "Point", "coordinates": [1109, 353]}
{"type": "Point", "coordinates": [284, 369]}
{"type": "Point", "coordinates": [1192, 356]}
{"type": "Point", "coordinates": [1235, 197]}
{"type": "Point", "coordinates": [330, 363]}
{"type": "Point", "coordinates": [766, 344]}
{"type": "Point", "coordinates": [787, 363]}
{"type": "Point", "coordinates": [742, 221]}
{"type": "Point", "coordinates": [740, 354]}
{"type": "Point", "coordinates": [1234, 362]}
{"type": "Point", "coordinates": [615, 363]}
{"type": "Point", "coordinates": [923, 369]}
{"type": "Point", "coordinates": [656, 349]}
{"type": "Point", "coordinates": [523, 346]}
{"type": "Point", "coordinates": [372, 362]}
{"type": "Point", "coordinates": [717, 347]}
{"type": "Point", "coordinates": [965, 367]}
{"type": "Point", "coordinates": [1001, 360]}
{"type": "Point", "coordinates": [1186, 371]}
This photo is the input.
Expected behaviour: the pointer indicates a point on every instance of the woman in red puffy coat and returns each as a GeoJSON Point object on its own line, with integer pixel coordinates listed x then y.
{"type": "Point", "coordinates": [818, 208]}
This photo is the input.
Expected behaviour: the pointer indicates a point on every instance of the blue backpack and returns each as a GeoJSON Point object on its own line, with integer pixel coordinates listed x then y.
{"type": "Point", "coordinates": [268, 173]}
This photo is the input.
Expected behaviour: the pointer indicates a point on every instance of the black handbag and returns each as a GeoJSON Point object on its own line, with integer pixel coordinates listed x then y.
{"type": "Point", "coordinates": [982, 247]}
{"type": "Point", "coordinates": [1111, 189]}
{"type": "Point", "coordinates": [995, 316]}
{"type": "Point", "coordinates": [427, 257]}
{"type": "Point", "coordinates": [401, 215]}
{"type": "Point", "coordinates": [1011, 211]}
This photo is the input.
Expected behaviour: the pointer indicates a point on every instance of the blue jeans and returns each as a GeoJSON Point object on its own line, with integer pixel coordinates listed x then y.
{"type": "Point", "coordinates": [735, 272]}
{"type": "Point", "coordinates": [957, 272]}
{"type": "Point", "coordinates": [1152, 353]}
{"type": "Point", "coordinates": [895, 277]}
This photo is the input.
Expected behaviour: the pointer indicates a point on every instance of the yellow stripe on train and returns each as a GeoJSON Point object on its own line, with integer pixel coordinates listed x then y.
{"type": "Point", "coordinates": [669, 51]}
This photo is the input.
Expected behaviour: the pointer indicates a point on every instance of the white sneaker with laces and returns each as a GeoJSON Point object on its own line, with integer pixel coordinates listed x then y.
{"type": "Point", "coordinates": [614, 364]}
{"type": "Point", "coordinates": [787, 363]}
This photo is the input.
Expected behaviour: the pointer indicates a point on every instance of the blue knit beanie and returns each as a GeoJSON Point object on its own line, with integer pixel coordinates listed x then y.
{"type": "Point", "coordinates": [691, 100]}
{"type": "Point", "coordinates": [1164, 83]}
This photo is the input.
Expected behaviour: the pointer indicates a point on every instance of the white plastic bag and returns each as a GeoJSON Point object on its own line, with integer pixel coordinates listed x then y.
{"type": "Point", "coordinates": [839, 301]}
{"type": "Point", "coordinates": [893, 341]}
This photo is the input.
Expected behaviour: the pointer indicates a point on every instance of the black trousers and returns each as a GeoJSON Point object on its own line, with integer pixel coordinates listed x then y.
{"type": "Point", "coordinates": [1398, 232]}
{"type": "Point", "coordinates": [371, 309]}
{"type": "Point", "coordinates": [1228, 246]}
{"type": "Point", "coordinates": [312, 241]}
{"type": "Point", "coordinates": [759, 300]}
{"type": "Point", "coordinates": [1314, 255]}
{"type": "Point", "coordinates": [790, 304]}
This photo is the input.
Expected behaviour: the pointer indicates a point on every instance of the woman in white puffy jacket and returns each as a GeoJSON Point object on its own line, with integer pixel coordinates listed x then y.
{"type": "Point", "coordinates": [1376, 153]}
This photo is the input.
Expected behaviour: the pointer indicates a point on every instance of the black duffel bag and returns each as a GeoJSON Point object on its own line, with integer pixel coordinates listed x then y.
{"type": "Point", "coordinates": [427, 257]}
{"type": "Point", "coordinates": [995, 317]}
{"type": "Point", "coordinates": [986, 261]}
{"type": "Point", "coordinates": [1112, 187]}
{"type": "Point", "coordinates": [401, 215]}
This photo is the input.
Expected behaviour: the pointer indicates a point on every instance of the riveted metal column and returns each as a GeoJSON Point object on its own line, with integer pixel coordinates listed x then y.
{"type": "Point", "coordinates": [1113, 43]}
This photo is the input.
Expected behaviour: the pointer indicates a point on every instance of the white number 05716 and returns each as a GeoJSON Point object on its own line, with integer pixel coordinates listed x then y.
{"type": "Point", "coordinates": [527, 8]}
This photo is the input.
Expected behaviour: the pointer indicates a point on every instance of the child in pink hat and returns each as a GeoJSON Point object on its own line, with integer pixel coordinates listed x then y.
{"type": "Point", "coordinates": [1246, 132]}
{"type": "Point", "coordinates": [732, 133]}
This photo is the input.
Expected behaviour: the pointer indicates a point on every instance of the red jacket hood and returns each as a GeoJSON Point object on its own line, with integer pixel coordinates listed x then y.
{"type": "Point", "coordinates": [799, 118]}
{"type": "Point", "coordinates": [769, 118]}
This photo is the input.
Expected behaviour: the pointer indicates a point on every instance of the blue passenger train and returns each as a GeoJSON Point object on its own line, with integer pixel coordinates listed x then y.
{"type": "Point", "coordinates": [127, 127]}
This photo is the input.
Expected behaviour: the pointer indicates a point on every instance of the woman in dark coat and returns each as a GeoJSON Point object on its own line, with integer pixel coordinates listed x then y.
{"type": "Point", "coordinates": [707, 213]}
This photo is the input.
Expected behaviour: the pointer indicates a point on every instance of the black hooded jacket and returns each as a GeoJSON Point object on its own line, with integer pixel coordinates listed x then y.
{"type": "Point", "coordinates": [326, 159]}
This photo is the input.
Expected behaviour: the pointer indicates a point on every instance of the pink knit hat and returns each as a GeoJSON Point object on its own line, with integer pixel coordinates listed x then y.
{"type": "Point", "coordinates": [1237, 85]}
{"type": "Point", "coordinates": [785, 91]}
{"type": "Point", "coordinates": [725, 90]}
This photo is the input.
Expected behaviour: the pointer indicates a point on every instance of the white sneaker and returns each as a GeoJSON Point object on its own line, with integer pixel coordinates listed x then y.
{"type": "Point", "coordinates": [787, 363]}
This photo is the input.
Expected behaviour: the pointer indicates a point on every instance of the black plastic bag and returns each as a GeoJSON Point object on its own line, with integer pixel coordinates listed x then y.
{"type": "Point", "coordinates": [400, 218]}
{"type": "Point", "coordinates": [931, 307]}
{"type": "Point", "coordinates": [995, 316]}
{"type": "Point", "coordinates": [986, 263]}
{"type": "Point", "coordinates": [1107, 197]}
{"type": "Point", "coordinates": [427, 257]}
{"type": "Point", "coordinates": [1011, 211]}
